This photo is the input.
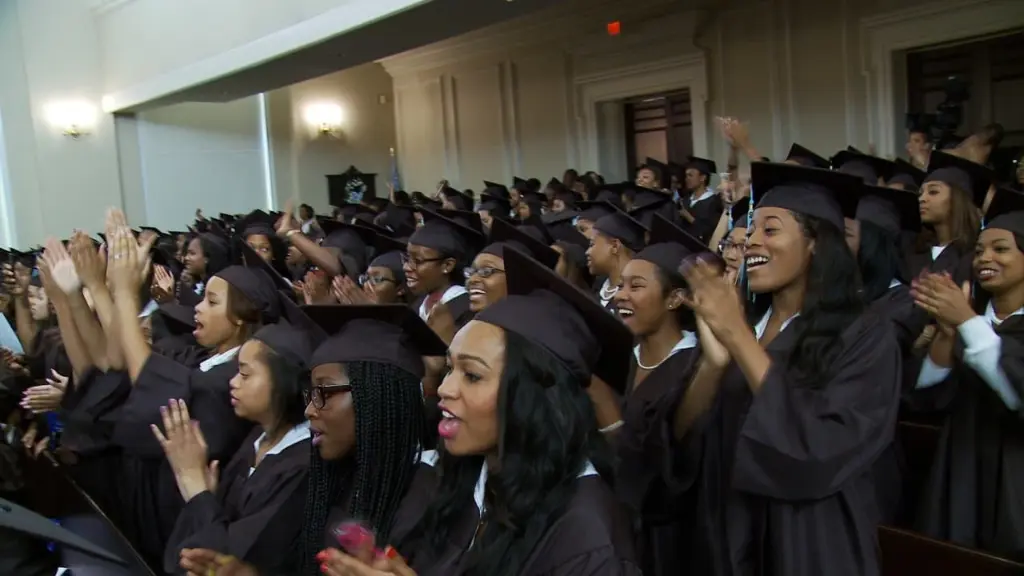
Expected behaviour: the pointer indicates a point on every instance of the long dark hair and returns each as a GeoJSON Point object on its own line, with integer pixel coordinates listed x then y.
{"type": "Point", "coordinates": [288, 381]}
{"type": "Point", "coordinates": [831, 303]}
{"type": "Point", "coordinates": [671, 280]}
{"type": "Point", "coordinates": [547, 431]}
{"type": "Point", "coordinates": [966, 221]}
{"type": "Point", "coordinates": [879, 260]}
{"type": "Point", "coordinates": [389, 416]}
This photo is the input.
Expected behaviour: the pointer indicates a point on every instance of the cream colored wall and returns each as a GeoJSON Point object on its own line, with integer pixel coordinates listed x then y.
{"type": "Point", "coordinates": [515, 99]}
{"type": "Point", "coordinates": [302, 157]}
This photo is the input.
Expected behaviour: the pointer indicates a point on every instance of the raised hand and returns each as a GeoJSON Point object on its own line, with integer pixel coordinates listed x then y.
{"type": "Point", "coordinates": [347, 292]}
{"type": "Point", "coordinates": [62, 268]}
{"type": "Point", "coordinates": [128, 262]}
{"type": "Point", "coordinates": [90, 263]}
{"type": "Point", "coordinates": [286, 223]}
{"type": "Point", "coordinates": [183, 444]}
{"type": "Point", "coordinates": [162, 288]}
{"type": "Point", "coordinates": [713, 298]}
{"type": "Point", "coordinates": [17, 278]}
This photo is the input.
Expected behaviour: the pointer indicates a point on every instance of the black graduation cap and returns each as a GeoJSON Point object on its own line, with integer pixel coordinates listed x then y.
{"type": "Point", "coordinates": [677, 170]}
{"type": "Point", "coordinates": [156, 231]}
{"type": "Point", "coordinates": [623, 228]}
{"type": "Point", "coordinates": [702, 165]}
{"type": "Point", "coordinates": [658, 167]}
{"type": "Point", "coordinates": [389, 255]}
{"type": "Point", "coordinates": [891, 210]}
{"type": "Point", "coordinates": [288, 341]}
{"type": "Point", "coordinates": [532, 197]}
{"type": "Point", "coordinates": [569, 323]}
{"type": "Point", "coordinates": [1006, 211]}
{"type": "Point", "coordinates": [256, 222]}
{"type": "Point", "coordinates": [378, 204]}
{"type": "Point", "coordinates": [563, 218]}
{"type": "Point", "coordinates": [26, 259]}
{"type": "Point", "coordinates": [738, 213]}
{"type": "Point", "coordinates": [824, 194]}
{"type": "Point", "coordinates": [805, 157]}
{"type": "Point", "coordinates": [386, 333]}
{"type": "Point", "coordinates": [399, 219]}
{"type": "Point", "coordinates": [594, 211]}
{"type": "Point", "coordinates": [258, 287]}
{"type": "Point", "coordinates": [612, 193]}
{"type": "Point", "coordinates": [504, 234]}
{"type": "Point", "coordinates": [520, 184]}
{"type": "Point", "coordinates": [17, 518]}
{"type": "Point", "coordinates": [907, 174]}
{"type": "Point", "coordinates": [459, 199]}
{"type": "Point", "coordinates": [346, 212]}
{"type": "Point", "coordinates": [555, 184]}
{"type": "Point", "coordinates": [665, 232]}
{"type": "Point", "coordinates": [250, 259]}
{"type": "Point", "coordinates": [460, 236]}
{"type": "Point", "coordinates": [958, 172]}
{"type": "Point", "coordinates": [496, 206]}
{"type": "Point", "coordinates": [646, 207]}
{"type": "Point", "coordinates": [496, 190]}
{"type": "Point", "coordinates": [568, 197]}
{"type": "Point", "coordinates": [868, 168]}
{"type": "Point", "coordinates": [421, 199]}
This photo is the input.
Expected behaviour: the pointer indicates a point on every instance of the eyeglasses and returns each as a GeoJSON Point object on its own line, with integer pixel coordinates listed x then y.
{"type": "Point", "coordinates": [483, 272]}
{"type": "Point", "coordinates": [375, 280]}
{"type": "Point", "coordinates": [726, 245]}
{"type": "Point", "coordinates": [417, 261]}
{"type": "Point", "coordinates": [318, 395]}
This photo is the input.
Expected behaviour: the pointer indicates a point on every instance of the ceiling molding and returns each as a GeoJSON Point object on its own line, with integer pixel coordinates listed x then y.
{"type": "Point", "coordinates": [542, 30]}
{"type": "Point", "coordinates": [101, 7]}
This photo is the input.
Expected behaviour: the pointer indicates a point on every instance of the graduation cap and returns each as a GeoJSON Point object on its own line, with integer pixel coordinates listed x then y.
{"type": "Point", "coordinates": [568, 198]}
{"type": "Point", "coordinates": [347, 212]}
{"type": "Point", "coordinates": [153, 230]}
{"type": "Point", "coordinates": [645, 208]}
{"type": "Point", "coordinates": [567, 322]}
{"type": "Point", "coordinates": [555, 219]}
{"type": "Point", "coordinates": [658, 167]}
{"type": "Point", "coordinates": [421, 199]}
{"type": "Point", "coordinates": [460, 200]}
{"type": "Point", "coordinates": [496, 190]}
{"type": "Point", "coordinates": [1006, 211]}
{"type": "Point", "coordinates": [26, 259]}
{"type": "Point", "coordinates": [387, 333]}
{"type": "Point", "coordinates": [253, 260]}
{"type": "Point", "coordinates": [555, 185]}
{"type": "Point", "coordinates": [867, 168]}
{"type": "Point", "coordinates": [677, 170]}
{"type": "Point", "coordinates": [594, 211]}
{"type": "Point", "coordinates": [389, 255]}
{"type": "Point", "coordinates": [824, 194]}
{"type": "Point", "coordinates": [805, 157]}
{"type": "Point", "coordinates": [738, 213]}
{"type": "Point", "coordinates": [612, 193]}
{"type": "Point", "coordinates": [497, 207]}
{"type": "Point", "coordinates": [702, 165]}
{"type": "Point", "coordinates": [256, 222]}
{"type": "Point", "coordinates": [400, 220]}
{"type": "Point", "coordinates": [664, 231]}
{"type": "Point", "coordinates": [504, 234]}
{"type": "Point", "coordinates": [623, 228]}
{"type": "Point", "coordinates": [958, 172]}
{"type": "Point", "coordinates": [378, 204]}
{"type": "Point", "coordinates": [258, 287]}
{"type": "Point", "coordinates": [890, 209]}
{"type": "Point", "coordinates": [907, 174]}
{"type": "Point", "coordinates": [25, 521]}
{"type": "Point", "coordinates": [459, 236]}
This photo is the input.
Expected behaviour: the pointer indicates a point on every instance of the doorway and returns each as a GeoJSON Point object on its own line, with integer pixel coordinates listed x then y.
{"type": "Point", "coordinates": [658, 126]}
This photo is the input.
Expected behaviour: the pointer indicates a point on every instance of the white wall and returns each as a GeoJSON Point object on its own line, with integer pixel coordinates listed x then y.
{"type": "Point", "coordinates": [303, 157]}
{"type": "Point", "coordinates": [525, 97]}
{"type": "Point", "coordinates": [49, 52]}
{"type": "Point", "coordinates": [201, 156]}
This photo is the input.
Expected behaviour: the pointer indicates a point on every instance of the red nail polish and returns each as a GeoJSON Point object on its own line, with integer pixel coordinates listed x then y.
{"type": "Point", "coordinates": [323, 568]}
{"type": "Point", "coordinates": [321, 556]}
{"type": "Point", "coordinates": [391, 553]}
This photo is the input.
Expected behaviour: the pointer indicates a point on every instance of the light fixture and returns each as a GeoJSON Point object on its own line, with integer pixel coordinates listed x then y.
{"type": "Point", "coordinates": [325, 117]}
{"type": "Point", "coordinates": [73, 118]}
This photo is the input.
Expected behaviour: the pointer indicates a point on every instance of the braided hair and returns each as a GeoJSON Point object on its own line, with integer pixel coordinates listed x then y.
{"type": "Point", "coordinates": [390, 429]}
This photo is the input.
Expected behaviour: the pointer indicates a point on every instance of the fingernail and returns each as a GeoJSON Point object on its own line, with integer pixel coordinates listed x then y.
{"type": "Point", "coordinates": [391, 553]}
{"type": "Point", "coordinates": [323, 568]}
{"type": "Point", "coordinates": [321, 556]}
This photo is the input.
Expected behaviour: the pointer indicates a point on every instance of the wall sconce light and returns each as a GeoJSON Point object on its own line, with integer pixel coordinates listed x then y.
{"type": "Point", "coordinates": [325, 118]}
{"type": "Point", "coordinates": [73, 119]}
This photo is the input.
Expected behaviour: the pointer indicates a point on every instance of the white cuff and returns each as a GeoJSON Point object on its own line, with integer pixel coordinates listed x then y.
{"type": "Point", "coordinates": [977, 335]}
{"type": "Point", "coordinates": [930, 374]}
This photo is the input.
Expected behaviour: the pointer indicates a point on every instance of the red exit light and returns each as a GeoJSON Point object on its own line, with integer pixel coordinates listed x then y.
{"type": "Point", "coordinates": [614, 28]}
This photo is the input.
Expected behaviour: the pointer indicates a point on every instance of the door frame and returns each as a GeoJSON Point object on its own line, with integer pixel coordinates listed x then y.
{"type": "Point", "coordinates": [688, 71]}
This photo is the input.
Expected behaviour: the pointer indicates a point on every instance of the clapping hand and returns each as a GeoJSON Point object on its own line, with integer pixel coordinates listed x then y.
{"type": "Point", "coordinates": [128, 262]}
{"type": "Point", "coordinates": [47, 397]}
{"type": "Point", "coordinates": [388, 563]}
{"type": "Point", "coordinates": [714, 299]}
{"type": "Point", "coordinates": [90, 264]}
{"type": "Point", "coordinates": [206, 562]}
{"type": "Point", "coordinates": [62, 268]}
{"type": "Point", "coordinates": [347, 292]}
{"type": "Point", "coordinates": [162, 289]}
{"type": "Point", "coordinates": [183, 444]}
{"type": "Point", "coordinates": [940, 297]}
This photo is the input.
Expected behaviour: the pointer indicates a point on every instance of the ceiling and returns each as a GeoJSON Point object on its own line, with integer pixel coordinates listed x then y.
{"type": "Point", "coordinates": [419, 26]}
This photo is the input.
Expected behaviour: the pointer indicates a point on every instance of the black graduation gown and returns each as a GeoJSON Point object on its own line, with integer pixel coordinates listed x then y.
{"type": "Point", "coordinates": [257, 518]}
{"type": "Point", "coordinates": [458, 306]}
{"type": "Point", "coordinates": [788, 475]}
{"type": "Point", "coordinates": [973, 493]}
{"type": "Point", "coordinates": [591, 537]}
{"type": "Point", "coordinates": [654, 472]}
{"type": "Point", "coordinates": [706, 214]}
{"type": "Point", "coordinates": [952, 260]}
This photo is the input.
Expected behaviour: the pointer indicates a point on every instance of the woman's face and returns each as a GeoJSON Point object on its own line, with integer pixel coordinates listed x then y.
{"type": "Point", "coordinates": [646, 178]}
{"type": "Point", "coordinates": [601, 254]}
{"type": "Point", "coordinates": [39, 303]}
{"type": "Point", "coordinates": [523, 210]}
{"type": "Point", "coordinates": [935, 202]}
{"type": "Point", "coordinates": [334, 425]}
{"type": "Point", "coordinates": [195, 259]}
{"type": "Point", "coordinates": [252, 387]}
{"type": "Point", "coordinates": [425, 269]}
{"type": "Point", "coordinates": [469, 392]}
{"type": "Point", "coordinates": [381, 285]}
{"type": "Point", "coordinates": [733, 248]}
{"type": "Point", "coordinates": [262, 246]}
{"type": "Point", "coordinates": [998, 262]}
{"type": "Point", "coordinates": [485, 218]}
{"type": "Point", "coordinates": [214, 326]}
{"type": "Point", "coordinates": [778, 251]}
{"type": "Point", "coordinates": [853, 235]}
{"type": "Point", "coordinates": [639, 300]}
{"type": "Point", "coordinates": [585, 227]}
{"type": "Point", "coordinates": [557, 205]}
{"type": "Point", "coordinates": [486, 283]}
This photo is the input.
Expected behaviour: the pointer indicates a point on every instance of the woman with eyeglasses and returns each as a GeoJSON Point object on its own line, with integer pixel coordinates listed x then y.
{"type": "Point", "coordinates": [253, 511]}
{"type": "Point", "coordinates": [384, 279]}
{"type": "Point", "coordinates": [523, 472]}
{"type": "Point", "coordinates": [734, 244]}
{"type": "Point", "coordinates": [485, 279]}
{"type": "Point", "coordinates": [434, 260]}
{"type": "Point", "coordinates": [366, 415]}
